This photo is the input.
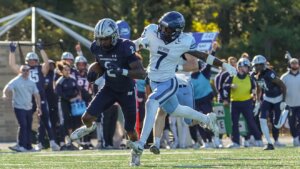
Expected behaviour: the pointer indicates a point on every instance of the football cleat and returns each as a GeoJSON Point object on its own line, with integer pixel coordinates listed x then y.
{"type": "Point", "coordinates": [82, 131]}
{"type": "Point", "coordinates": [212, 123]}
{"type": "Point", "coordinates": [154, 149]}
{"type": "Point", "coordinates": [136, 147]}
{"type": "Point", "coordinates": [269, 147]}
{"type": "Point", "coordinates": [135, 159]}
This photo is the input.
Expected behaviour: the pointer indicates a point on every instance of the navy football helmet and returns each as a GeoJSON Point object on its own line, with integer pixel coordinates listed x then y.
{"type": "Point", "coordinates": [171, 24]}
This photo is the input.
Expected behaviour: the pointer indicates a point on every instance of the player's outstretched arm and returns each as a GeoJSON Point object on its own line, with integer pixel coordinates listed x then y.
{"type": "Point", "coordinates": [211, 60]}
{"type": "Point", "coordinates": [45, 66]}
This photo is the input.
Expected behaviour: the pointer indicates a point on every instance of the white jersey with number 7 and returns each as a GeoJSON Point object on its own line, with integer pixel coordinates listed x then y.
{"type": "Point", "coordinates": [164, 58]}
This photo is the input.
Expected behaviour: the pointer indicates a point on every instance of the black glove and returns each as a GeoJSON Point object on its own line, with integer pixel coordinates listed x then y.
{"type": "Point", "coordinates": [92, 76]}
{"type": "Point", "coordinates": [40, 44]}
{"type": "Point", "coordinates": [114, 69]}
{"type": "Point", "coordinates": [12, 47]}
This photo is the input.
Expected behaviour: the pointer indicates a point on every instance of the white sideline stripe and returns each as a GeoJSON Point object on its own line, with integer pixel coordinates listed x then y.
{"type": "Point", "coordinates": [47, 154]}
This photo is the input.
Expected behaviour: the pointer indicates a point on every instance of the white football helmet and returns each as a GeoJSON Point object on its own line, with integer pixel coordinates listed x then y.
{"type": "Point", "coordinates": [243, 62]}
{"type": "Point", "coordinates": [106, 28]}
{"type": "Point", "coordinates": [31, 56]}
{"type": "Point", "coordinates": [80, 59]}
{"type": "Point", "coordinates": [259, 59]}
{"type": "Point", "coordinates": [67, 55]}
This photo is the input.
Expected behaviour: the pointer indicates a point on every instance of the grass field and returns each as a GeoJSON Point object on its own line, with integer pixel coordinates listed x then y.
{"type": "Point", "coordinates": [288, 157]}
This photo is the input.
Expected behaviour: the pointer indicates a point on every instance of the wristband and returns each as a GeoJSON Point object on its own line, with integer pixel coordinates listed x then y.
{"type": "Point", "coordinates": [180, 67]}
{"type": "Point", "coordinates": [210, 59]}
{"type": "Point", "coordinates": [124, 72]}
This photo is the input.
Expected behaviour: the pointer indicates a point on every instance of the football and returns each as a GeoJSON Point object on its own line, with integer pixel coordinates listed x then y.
{"type": "Point", "coordinates": [95, 67]}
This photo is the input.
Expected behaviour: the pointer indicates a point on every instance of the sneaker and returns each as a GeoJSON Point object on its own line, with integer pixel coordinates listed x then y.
{"type": "Point", "coordinates": [38, 147]}
{"type": "Point", "coordinates": [64, 148]}
{"type": "Point", "coordinates": [21, 149]}
{"type": "Point", "coordinates": [136, 147]}
{"type": "Point", "coordinates": [174, 145]}
{"type": "Point", "coordinates": [54, 146]}
{"type": "Point", "coordinates": [278, 144]}
{"type": "Point", "coordinates": [217, 142]}
{"type": "Point", "coordinates": [246, 143]}
{"type": "Point", "coordinates": [206, 146]}
{"type": "Point", "coordinates": [233, 145]}
{"type": "Point", "coordinates": [99, 146]}
{"type": "Point", "coordinates": [135, 159]}
{"type": "Point", "coordinates": [296, 142]}
{"type": "Point", "coordinates": [154, 149]}
{"type": "Point", "coordinates": [14, 148]}
{"type": "Point", "coordinates": [269, 147]}
{"type": "Point", "coordinates": [82, 131]}
{"type": "Point", "coordinates": [72, 147]}
{"type": "Point", "coordinates": [212, 123]}
{"type": "Point", "coordinates": [196, 145]}
{"type": "Point", "coordinates": [258, 143]}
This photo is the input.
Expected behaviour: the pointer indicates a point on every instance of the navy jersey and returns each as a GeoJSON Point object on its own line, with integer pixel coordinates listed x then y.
{"type": "Point", "coordinates": [49, 82]}
{"type": "Point", "coordinates": [36, 75]}
{"type": "Point", "coordinates": [66, 88]}
{"type": "Point", "coordinates": [121, 55]}
{"type": "Point", "coordinates": [264, 81]}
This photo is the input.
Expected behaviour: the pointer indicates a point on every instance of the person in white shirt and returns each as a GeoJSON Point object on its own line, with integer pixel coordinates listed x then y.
{"type": "Point", "coordinates": [291, 79]}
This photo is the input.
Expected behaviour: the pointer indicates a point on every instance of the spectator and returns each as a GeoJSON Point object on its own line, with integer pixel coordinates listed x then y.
{"type": "Point", "coordinates": [292, 80]}
{"type": "Point", "coordinates": [20, 91]}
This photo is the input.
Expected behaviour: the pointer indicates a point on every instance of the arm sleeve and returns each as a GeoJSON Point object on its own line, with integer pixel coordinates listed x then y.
{"type": "Point", "coordinates": [253, 84]}
{"type": "Point", "coordinates": [206, 71]}
{"type": "Point", "coordinates": [227, 87]}
{"type": "Point", "coordinates": [129, 51]}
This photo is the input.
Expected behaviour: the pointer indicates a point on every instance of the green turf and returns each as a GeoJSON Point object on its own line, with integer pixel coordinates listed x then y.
{"type": "Point", "coordinates": [188, 158]}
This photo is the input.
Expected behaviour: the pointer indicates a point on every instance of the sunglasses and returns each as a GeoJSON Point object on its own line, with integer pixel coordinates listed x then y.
{"type": "Point", "coordinates": [25, 70]}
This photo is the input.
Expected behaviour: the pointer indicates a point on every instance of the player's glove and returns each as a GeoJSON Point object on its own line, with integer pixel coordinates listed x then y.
{"type": "Point", "coordinates": [92, 76]}
{"type": "Point", "coordinates": [40, 44]}
{"type": "Point", "coordinates": [283, 105]}
{"type": "Point", "coordinates": [114, 69]}
{"type": "Point", "coordinates": [230, 69]}
{"type": "Point", "coordinates": [12, 47]}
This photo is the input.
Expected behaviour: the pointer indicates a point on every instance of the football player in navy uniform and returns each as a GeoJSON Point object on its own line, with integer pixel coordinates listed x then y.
{"type": "Point", "coordinates": [37, 75]}
{"type": "Point", "coordinates": [52, 98]}
{"type": "Point", "coordinates": [69, 58]}
{"type": "Point", "coordinates": [116, 59]}
{"type": "Point", "coordinates": [273, 101]}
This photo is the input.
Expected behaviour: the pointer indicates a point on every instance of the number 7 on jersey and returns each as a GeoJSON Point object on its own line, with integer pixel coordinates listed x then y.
{"type": "Point", "coordinates": [163, 55]}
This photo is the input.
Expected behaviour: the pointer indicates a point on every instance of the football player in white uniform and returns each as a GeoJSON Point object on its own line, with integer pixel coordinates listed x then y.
{"type": "Point", "coordinates": [166, 43]}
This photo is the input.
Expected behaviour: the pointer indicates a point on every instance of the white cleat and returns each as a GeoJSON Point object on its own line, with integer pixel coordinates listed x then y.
{"type": "Point", "coordinates": [136, 147]}
{"type": "Point", "coordinates": [212, 124]}
{"type": "Point", "coordinates": [217, 142]}
{"type": "Point", "coordinates": [135, 159]}
{"type": "Point", "coordinates": [82, 131]}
